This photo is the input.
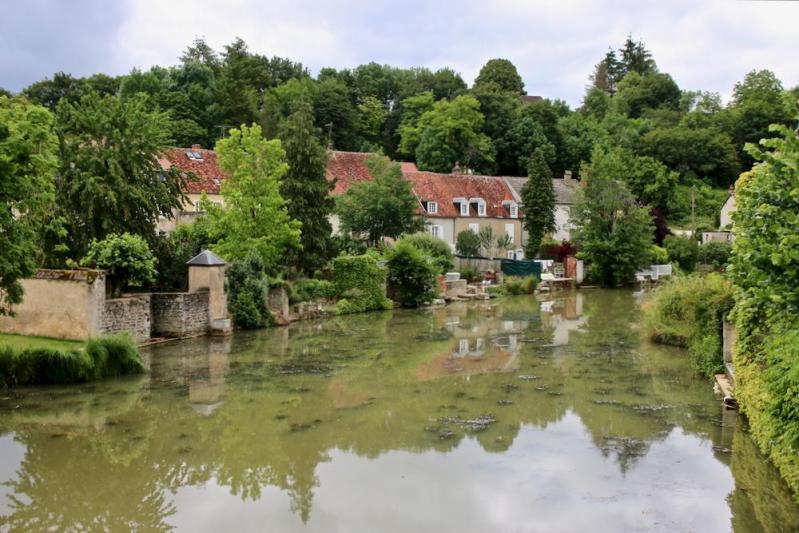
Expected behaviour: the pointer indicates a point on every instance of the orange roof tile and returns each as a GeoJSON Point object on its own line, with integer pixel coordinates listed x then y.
{"type": "Point", "coordinates": [209, 175]}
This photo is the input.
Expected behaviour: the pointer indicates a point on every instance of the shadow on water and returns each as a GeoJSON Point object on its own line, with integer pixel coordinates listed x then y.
{"type": "Point", "coordinates": [527, 414]}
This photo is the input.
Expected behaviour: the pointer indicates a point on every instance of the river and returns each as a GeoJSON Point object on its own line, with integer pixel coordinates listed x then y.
{"type": "Point", "coordinates": [521, 414]}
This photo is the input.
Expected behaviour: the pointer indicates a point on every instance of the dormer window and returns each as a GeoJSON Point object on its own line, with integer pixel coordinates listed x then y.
{"type": "Point", "coordinates": [194, 155]}
{"type": "Point", "coordinates": [481, 209]}
{"type": "Point", "coordinates": [463, 205]}
{"type": "Point", "coordinates": [432, 208]}
{"type": "Point", "coordinates": [514, 211]}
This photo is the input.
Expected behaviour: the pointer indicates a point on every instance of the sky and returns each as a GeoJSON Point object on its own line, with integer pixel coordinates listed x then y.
{"type": "Point", "coordinates": [707, 45]}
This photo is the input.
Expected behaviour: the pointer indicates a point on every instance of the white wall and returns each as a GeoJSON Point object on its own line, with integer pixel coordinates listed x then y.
{"type": "Point", "coordinates": [725, 218]}
{"type": "Point", "coordinates": [562, 226]}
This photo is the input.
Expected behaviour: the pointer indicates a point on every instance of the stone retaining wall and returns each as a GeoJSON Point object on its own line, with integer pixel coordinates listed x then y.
{"type": "Point", "coordinates": [179, 314]}
{"type": "Point", "coordinates": [131, 314]}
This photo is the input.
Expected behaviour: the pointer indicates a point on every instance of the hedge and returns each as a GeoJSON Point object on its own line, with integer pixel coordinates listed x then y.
{"type": "Point", "coordinates": [111, 356]}
{"type": "Point", "coordinates": [360, 284]}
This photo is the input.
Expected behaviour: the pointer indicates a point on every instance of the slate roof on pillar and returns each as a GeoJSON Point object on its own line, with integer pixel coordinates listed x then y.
{"type": "Point", "coordinates": [206, 258]}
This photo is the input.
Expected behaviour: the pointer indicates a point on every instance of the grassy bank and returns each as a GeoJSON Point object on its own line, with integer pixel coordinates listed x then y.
{"type": "Point", "coordinates": [688, 311]}
{"type": "Point", "coordinates": [37, 361]}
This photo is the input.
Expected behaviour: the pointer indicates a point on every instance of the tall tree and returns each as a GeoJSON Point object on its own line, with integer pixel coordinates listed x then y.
{"type": "Point", "coordinates": [27, 165]}
{"type": "Point", "coordinates": [503, 73]}
{"type": "Point", "coordinates": [636, 58]}
{"type": "Point", "coordinates": [48, 92]}
{"type": "Point", "coordinates": [614, 234]}
{"type": "Point", "coordinates": [110, 179]}
{"type": "Point", "coordinates": [255, 217]}
{"type": "Point", "coordinates": [306, 189]}
{"type": "Point", "coordinates": [538, 203]}
{"type": "Point", "coordinates": [607, 73]}
{"type": "Point", "coordinates": [638, 93]}
{"type": "Point", "coordinates": [383, 207]}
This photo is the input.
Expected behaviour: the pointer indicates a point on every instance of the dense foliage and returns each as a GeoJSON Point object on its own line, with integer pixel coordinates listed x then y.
{"type": "Point", "coordinates": [538, 203]}
{"type": "Point", "coordinates": [689, 311]}
{"type": "Point", "coordinates": [612, 231]}
{"type": "Point", "coordinates": [715, 254]}
{"type": "Point", "coordinates": [683, 251]}
{"type": "Point", "coordinates": [255, 217]}
{"type": "Point", "coordinates": [360, 284]}
{"type": "Point", "coordinates": [247, 289]}
{"type": "Point", "coordinates": [765, 271]}
{"type": "Point", "coordinates": [308, 290]}
{"type": "Point", "coordinates": [382, 207]}
{"type": "Point", "coordinates": [27, 164]}
{"type": "Point", "coordinates": [438, 250]}
{"type": "Point", "coordinates": [126, 258]}
{"type": "Point", "coordinates": [467, 243]}
{"type": "Point", "coordinates": [100, 358]}
{"type": "Point", "coordinates": [411, 275]}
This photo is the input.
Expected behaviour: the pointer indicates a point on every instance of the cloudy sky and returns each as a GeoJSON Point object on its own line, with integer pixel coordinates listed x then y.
{"type": "Point", "coordinates": [704, 44]}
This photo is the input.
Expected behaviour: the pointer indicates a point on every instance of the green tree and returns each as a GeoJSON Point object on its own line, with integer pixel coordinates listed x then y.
{"type": "Point", "coordinates": [110, 179]}
{"type": "Point", "coordinates": [411, 274]}
{"type": "Point", "coordinates": [613, 233]}
{"type": "Point", "coordinates": [247, 287]}
{"type": "Point", "coordinates": [49, 92]}
{"type": "Point", "coordinates": [126, 258]}
{"type": "Point", "coordinates": [500, 110]}
{"type": "Point", "coordinates": [27, 165]}
{"type": "Point", "coordinates": [579, 135]}
{"type": "Point", "coordinates": [652, 90]}
{"type": "Point", "coordinates": [382, 207]}
{"type": "Point", "coordinates": [503, 73]}
{"type": "Point", "coordinates": [538, 203]}
{"type": "Point", "coordinates": [306, 189]}
{"type": "Point", "coordinates": [450, 133]}
{"type": "Point", "coordinates": [467, 243]}
{"type": "Point", "coordinates": [634, 57]}
{"type": "Point", "coordinates": [682, 250]}
{"type": "Point", "coordinates": [436, 248]}
{"type": "Point", "coordinates": [410, 132]}
{"type": "Point", "coordinates": [255, 217]}
{"type": "Point", "coordinates": [607, 73]}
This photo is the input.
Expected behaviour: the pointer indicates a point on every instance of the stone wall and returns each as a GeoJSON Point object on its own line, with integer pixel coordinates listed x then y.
{"type": "Point", "coordinates": [131, 314]}
{"type": "Point", "coordinates": [66, 304]}
{"type": "Point", "coordinates": [179, 314]}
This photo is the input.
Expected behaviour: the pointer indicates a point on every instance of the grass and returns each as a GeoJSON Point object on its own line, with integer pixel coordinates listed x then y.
{"type": "Point", "coordinates": [23, 342]}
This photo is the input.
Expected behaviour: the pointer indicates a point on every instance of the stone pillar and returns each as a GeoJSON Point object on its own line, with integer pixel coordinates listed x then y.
{"type": "Point", "coordinates": [207, 272]}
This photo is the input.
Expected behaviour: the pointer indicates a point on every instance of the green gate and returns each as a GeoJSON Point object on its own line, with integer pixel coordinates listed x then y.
{"type": "Point", "coordinates": [512, 267]}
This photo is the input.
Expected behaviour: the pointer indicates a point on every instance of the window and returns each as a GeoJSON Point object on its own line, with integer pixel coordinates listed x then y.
{"type": "Point", "coordinates": [197, 207]}
{"type": "Point", "coordinates": [510, 231]}
{"type": "Point", "coordinates": [464, 209]}
{"type": "Point", "coordinates": [194, 155]}
{"type": "Point", "coordinates": [481, 209]}
{"type": "Point", "coordinates": [514, 211]}
{"type": "Point", "coordinates": [435, 231]}
{"type": "Point", "coordinates": [432, 208]}
{"type": "Point", "coordinates": [474, 227]}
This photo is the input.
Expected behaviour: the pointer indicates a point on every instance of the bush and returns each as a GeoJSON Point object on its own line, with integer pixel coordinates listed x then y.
{"type": "Point", "coordinates": [411, 275]}
{"type": "Point", "coordinates": [247, 287]}
{"type": "Point", "coordinates": [173, 250]}
{"type": "Point", "coordinates": [659, 256]}
{"type": "Point", "coordinates": [515, 285]}
{"type": "Point", "coordinates": [715, 254]}
{"type": "Point", "coordinates": [556, 251]}
{"type": "Point", "coordinates": [308, 290]}
{"type": "Point", "coordinates": [103, 357]}
{"type": "Point", "coordinates": [683, 251]}
{"type": "Point", "coordinates": [467, 244]}
{"type": "Point", "coordinates": [126, 258]}
{"type": "Point", "coordinates": [436, 248]}
{"type": "Point", "coordinates": [689, 311]}
{"type": "Point", "coordinates": [359, 282]}
{"type": "Point", "coordinates": [471, 274]}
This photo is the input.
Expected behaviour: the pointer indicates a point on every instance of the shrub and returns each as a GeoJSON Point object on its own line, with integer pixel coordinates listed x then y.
{"type": "Point", "coordinates": [126, 258]}
{"type": "Point", "coordinates": [659, 256]}
{"type": "Point", "coordinates": [436, 248]}
{"type": "Point", "coordinates": [683, 251]}
{"type": "Point", "coordinates": [359, 282]}
{"type": "Point", "coordinates": [411, 275]}
{"type": "Point", "coordinates": [716, 254]}
{"type": "Point", "coordinates": [471, 274]}
{"type": "Point", "coordinates": [556, 251]}
{"type": "Point", "coordinates": [173, 250]}
{"type": "Point", "coordinates": [308, 290]}
{"type": "Point", "coordinates": [515, 285]}
{"type": "Point", "coordinates": [689, 311]}
{"type": "Point", "coordinates": [103, 357]}
{"type": "Point", "coordinates": [247, 288]}
{"type": "Point", "coordinates": [467, 244]}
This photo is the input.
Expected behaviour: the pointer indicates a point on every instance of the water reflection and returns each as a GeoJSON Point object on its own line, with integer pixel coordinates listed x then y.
{"type": "Point", "coordinates": [522, 415]}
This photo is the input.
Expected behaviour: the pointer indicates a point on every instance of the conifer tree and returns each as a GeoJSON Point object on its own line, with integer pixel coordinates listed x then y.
{"type": "Point", "coordinates": [306, 189]}
{"type": "Point", "coordinates": [538, 202]}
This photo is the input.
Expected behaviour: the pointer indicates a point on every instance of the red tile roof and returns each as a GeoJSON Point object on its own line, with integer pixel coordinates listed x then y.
{"type": "Point", "coordinates": [209, 175]}
{"type": "Point", "coordinates": [408, 166]}
{"type": "Point", "coordinates": [347, 168]}
{"type": "Point", "coordinates": [444, 188]}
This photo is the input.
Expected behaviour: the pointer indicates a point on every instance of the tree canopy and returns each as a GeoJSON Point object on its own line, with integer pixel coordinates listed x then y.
{"type": "Point", "coordinates": [538, 203]}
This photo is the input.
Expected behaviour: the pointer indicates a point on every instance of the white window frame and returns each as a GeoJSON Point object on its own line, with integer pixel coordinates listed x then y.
{"type": "Point", "coordinates": [464, 209]}
{"type": "Point", "coordinates": [436, 230]}
{"type": "Point", "coordinates": [481, 209]}
{"type": "Point", "coordinates": [510, 231]}
{"type": "Point", "coordinates": [514, 210]}
{"type": "Point", "coordinates": [432, 208]}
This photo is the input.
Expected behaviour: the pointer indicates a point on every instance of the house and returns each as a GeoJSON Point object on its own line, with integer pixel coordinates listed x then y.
{"type": "Point", "coordinates": [725, 222]}
{"type": "Point", "coordinates": [566, 190]}
{"type": "Point", "coordinates": [205, 178]}
{"type": "Point", "coordinates": [452, 203]}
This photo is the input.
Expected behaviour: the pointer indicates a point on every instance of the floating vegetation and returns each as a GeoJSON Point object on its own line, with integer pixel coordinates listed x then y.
{"type": "Point", "coordinates": [652, 408]}
{"type": "Point", "coordinates": [526, 377]}
{"type": "Point", "coordinates": [505, 402]}
{"type": "Point", "coordinates": [476, 424]}
{"type": "Point", "coordinates": [305, 426]}
{"type": "Point", "coordinates": [510, 387]}
{"type": "Point", "coordinates": [606, 402]}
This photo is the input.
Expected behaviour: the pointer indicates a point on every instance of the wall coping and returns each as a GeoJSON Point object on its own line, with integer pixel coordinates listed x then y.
{"type": "Point", "coordinates": [87, 275]}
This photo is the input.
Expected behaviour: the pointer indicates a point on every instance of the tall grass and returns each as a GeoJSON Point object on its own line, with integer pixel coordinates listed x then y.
{"type": "Point", "coordinates": [104, 357]}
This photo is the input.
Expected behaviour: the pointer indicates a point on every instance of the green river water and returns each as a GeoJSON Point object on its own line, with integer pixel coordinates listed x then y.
{"type": "Point", "coordinates": [521, 414]}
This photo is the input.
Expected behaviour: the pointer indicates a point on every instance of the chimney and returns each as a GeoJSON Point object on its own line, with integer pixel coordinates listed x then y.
{"type": "Point", "coordinates": [196, 147]}
{"type": "Point", "coordinates": [457, 168]}
{"type": "Point", "coordinates": [567, 176]}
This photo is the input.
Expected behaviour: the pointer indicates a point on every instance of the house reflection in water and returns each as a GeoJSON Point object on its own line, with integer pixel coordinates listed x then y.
{"type": "Point", "coordinates": [562, 316]}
